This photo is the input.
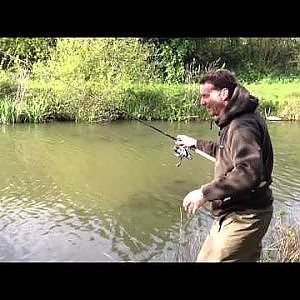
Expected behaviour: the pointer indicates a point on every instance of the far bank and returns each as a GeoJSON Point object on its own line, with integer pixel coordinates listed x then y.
{"type": "Point", "coordinates": [37, 101]}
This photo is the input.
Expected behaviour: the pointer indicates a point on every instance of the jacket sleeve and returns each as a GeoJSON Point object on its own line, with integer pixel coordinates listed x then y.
{"type": "Point", "coordinates": [207, 147]}
{"type": "Point", "coordinates": [247, 171]}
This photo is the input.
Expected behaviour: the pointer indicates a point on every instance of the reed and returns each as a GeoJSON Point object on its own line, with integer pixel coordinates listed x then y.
{"type": "Point", "coordinates": [283, 243]}
{"type": "Point", "coordinates": [7, 111]}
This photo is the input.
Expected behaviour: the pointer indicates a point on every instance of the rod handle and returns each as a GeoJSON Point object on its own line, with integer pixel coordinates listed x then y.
{"type": "Point", "coordinates": [205, 155]}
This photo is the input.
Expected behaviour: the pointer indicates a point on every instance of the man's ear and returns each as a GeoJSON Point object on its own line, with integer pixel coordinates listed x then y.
{"type": "Point", "coordinates": [224, 93]}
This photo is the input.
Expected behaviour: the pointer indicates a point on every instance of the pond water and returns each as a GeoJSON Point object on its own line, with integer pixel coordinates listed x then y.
{"type": "Point", "coordinates": [112, 192]}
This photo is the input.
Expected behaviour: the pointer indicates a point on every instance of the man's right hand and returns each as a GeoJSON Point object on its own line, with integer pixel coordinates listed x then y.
{"type": "Point", "coordinates": [186, 141]}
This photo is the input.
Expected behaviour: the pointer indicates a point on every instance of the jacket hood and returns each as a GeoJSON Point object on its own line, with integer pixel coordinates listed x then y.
{"type": "Point", "coordinates": [241, 102]}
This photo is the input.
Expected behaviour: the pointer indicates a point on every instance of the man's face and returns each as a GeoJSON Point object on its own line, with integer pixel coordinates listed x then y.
{"type": "Point", "coordinates": [212, 99]}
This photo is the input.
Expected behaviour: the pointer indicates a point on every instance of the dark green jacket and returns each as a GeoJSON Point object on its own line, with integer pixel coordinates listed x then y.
{"type": "Point", "coordinates": [244, 157]}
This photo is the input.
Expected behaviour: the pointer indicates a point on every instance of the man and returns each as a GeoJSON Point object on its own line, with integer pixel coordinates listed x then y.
{"type": "Point", "coordinates": [240, 197]}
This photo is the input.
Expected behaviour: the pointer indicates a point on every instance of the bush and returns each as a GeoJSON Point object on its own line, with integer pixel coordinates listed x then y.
{"type": "Point", "coordinates": [111, 60]}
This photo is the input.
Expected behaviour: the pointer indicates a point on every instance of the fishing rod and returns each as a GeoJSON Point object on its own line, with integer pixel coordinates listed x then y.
{"type": "Point", "coordinates": [151, 126]}
{"type": "Point", "coordinates": [180, 152]}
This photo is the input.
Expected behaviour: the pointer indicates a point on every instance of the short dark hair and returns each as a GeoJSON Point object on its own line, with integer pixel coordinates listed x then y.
{"type": "Point", "coordinates": [220, 78]}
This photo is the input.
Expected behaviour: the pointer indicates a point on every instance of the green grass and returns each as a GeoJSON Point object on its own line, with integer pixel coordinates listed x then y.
{"type": "Point", "coordinates": [275, 92]}
{"type": "Point", "coordinates": [278, 98]}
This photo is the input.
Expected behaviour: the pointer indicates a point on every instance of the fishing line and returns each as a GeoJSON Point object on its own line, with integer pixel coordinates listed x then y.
{"type": "Point", "coordinates": [180, 151]}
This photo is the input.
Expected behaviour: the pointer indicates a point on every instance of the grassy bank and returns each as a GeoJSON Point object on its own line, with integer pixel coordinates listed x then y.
{"type": "Point", "coordinates": [38, 99]}
{"type": "Point", "coordinates": [278, 98]}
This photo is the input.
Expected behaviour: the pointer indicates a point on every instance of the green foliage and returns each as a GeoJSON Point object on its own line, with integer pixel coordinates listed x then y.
{"type": "Point", "coordinates": [8, 84]}
{"type": "Point", "coordinates": [250, 58]}
{"type": "Point", "coordinates": [28, 49]}
{"type": "Point", "coordinates": [265, 57]}
{"type": "Point", "coordinates": [97, 79]}
{"type": "Point", "coordinates": [97, 66]}
{"type": "Point", "coordinates": [107, 60]}
{"type": "Point", "coordinates": [173, 55]}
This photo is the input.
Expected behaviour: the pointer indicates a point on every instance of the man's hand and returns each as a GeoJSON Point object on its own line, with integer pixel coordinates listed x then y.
{"type": "Point", "coordinates": [193, 200]}
{"type": "Point", "coordinates": [186, 141]}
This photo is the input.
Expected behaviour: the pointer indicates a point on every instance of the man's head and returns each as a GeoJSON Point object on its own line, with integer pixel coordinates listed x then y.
{"type": "Point", "coordinates": [216, 90]}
